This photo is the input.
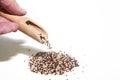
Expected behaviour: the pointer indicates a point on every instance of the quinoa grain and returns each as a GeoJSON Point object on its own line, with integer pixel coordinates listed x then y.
{"type": "Point", "coordinates": [52, 62]}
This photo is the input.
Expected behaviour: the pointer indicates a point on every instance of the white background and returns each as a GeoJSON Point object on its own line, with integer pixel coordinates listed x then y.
{"type": "Point", "coordinates": [88, 30]}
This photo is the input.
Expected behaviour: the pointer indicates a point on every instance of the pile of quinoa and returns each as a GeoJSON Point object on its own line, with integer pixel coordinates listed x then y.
{"type": "Point", "coordinates": [52, 62]}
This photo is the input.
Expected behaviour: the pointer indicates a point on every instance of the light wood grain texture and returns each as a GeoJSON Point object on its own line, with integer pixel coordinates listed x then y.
{"type": "Point", "coordinates": [27, 26]}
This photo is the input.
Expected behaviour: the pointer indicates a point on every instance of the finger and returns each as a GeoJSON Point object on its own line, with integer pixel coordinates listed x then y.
{"type": "Point", "coordinates": [12, 7]}
{"type": "Point", "coordinates": [7, 26]}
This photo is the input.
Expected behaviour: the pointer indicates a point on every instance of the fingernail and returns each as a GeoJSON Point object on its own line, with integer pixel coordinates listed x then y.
{"type": "Point", "coordinates": [23, 11]}
{"type": "Point", "coordinates": [14, 27]}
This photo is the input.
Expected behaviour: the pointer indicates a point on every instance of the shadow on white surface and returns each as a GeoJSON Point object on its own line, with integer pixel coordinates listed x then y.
{"type": "Point", "coordinates": [10, 47]}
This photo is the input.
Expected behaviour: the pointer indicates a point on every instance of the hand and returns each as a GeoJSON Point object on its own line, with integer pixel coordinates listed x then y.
{"type": "Point", "coordinates": [9, 6]}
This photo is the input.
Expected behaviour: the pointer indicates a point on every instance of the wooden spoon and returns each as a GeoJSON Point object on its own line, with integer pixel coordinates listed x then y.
{"type": "Point", "coordinates": [28, 26]}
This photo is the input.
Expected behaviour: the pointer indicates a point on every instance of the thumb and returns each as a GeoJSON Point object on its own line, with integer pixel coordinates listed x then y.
{"type": "Point", "coordinates": [12, 7]}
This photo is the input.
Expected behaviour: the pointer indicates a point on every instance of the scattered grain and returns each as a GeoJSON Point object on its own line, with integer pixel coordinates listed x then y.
{"type": "Point", "coordinates": [52, 62]}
